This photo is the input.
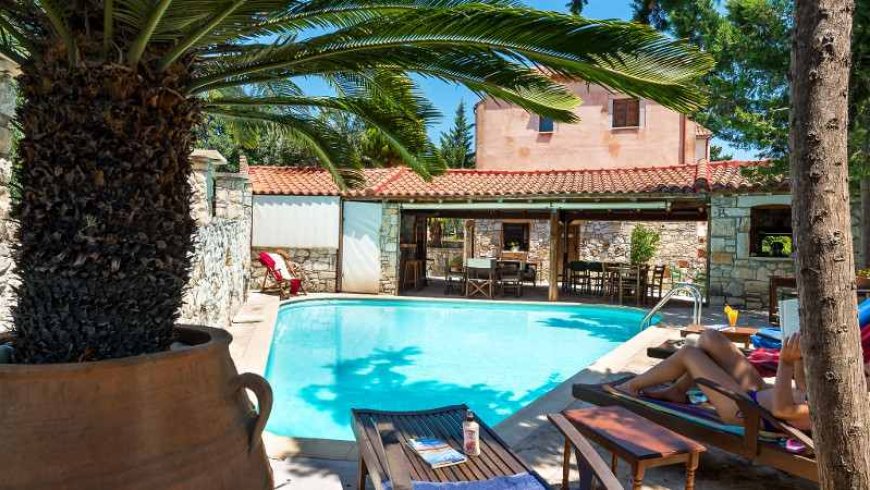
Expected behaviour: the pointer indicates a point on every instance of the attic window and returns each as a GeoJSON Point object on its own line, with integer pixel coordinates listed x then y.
{"type": "Point", "coordinates": [626, 113]}
{"type": "Point", "coordinates": [545, 125]}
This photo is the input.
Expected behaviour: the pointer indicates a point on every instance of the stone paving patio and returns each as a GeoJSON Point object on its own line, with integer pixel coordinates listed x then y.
{"type": "Point", "coordinates": [527, 431]}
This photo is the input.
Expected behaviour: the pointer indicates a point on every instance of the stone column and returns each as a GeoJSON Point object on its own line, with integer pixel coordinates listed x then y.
{"type": "Point", "coordinates": [8, 70]}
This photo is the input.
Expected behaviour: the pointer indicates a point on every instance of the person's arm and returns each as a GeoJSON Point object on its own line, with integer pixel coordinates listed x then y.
{"type": "Point", "coordinates": [784, 406]}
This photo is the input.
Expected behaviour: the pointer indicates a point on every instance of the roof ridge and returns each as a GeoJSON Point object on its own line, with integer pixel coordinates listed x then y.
{"type": "Point", "coordinates": [397, 172]}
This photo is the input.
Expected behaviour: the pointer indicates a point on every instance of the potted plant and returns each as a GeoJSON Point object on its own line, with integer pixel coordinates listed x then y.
{"type": "Point", "coordinates": [862, 278]}
{"type": "Point", "coordinates": [644, 243]}
{"type": "Point", "coordinates": [112, 92]}
{"type": "Point", "coordinates": [456, 264]}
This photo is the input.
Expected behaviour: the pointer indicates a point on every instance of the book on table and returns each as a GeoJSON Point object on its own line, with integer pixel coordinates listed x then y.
{"type": "Point", "coordinates": [436, 452]}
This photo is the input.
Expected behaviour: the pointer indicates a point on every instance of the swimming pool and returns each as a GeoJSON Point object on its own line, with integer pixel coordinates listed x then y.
{"type": "Point", "coordinates": [328, 356]}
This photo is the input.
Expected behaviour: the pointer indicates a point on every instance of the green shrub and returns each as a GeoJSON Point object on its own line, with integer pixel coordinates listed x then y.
{"type": "Point", "coordinates": [644, 243]}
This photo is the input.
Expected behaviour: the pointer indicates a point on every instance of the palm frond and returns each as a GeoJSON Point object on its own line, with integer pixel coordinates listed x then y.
{"type": "Point", "coordinates": [629, 57]}
{"type": "Point", "coordinates": [147, 30]}
{"type": "Point", "coordinates": [405, 135]}
{"type": "Point", "coordinates": [305, 131]}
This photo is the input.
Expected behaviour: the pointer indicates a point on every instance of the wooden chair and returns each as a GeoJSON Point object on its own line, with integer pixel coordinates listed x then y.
{"type": "Point", "coordinates": [510, 278]}
{"type": "Point", "coordinates": [480, 278]}
{"type": "Point", "coordinates": [453, 279]}
{"type": "Point", "coordinates": [411, 273]}
{"type": "Point", "coordinates": [385, 456]}
{"type": "Point", "coordinates": [747, 440]}
{"type": "Point", "coordinates": [281, 274]}
{"type": "Point", "coordinates": [654, 288]}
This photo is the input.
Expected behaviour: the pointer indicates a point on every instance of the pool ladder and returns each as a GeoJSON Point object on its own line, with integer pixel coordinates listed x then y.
{"type": "Point", "coordinates": [697, 301]}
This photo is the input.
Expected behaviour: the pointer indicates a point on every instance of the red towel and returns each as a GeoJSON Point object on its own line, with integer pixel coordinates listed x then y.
{"type": "Point", "coordinates": [269, 263]}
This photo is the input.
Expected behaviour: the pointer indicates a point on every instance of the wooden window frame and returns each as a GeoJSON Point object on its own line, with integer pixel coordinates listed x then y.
{"type": "Point", "coordinates": [620, 112]}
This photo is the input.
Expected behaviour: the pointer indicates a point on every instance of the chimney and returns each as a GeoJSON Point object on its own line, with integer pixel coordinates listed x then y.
{"type": "Point", "coordinates": [243, 164]}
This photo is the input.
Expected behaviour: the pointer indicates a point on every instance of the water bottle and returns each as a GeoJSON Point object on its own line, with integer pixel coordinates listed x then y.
{"type": "Point", "coordinates": [471, 435]}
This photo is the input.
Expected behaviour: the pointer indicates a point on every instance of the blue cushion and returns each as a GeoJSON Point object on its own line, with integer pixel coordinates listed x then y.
{"type": "Point", "coordinates": [522, 481]}
{"type": "Point", "coordinates": [864, 312]}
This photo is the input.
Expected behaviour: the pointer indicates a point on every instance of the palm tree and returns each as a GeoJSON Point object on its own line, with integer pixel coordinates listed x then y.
{"type": "Point", "coordinates": [113, 89]}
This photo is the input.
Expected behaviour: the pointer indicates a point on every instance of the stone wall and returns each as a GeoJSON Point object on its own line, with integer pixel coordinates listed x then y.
{"type": "Point", "coordinates": [683, 244]}
{"type": "Point", "coordinates": [319, 265]}
{"type": "Point", "coordinates": [220, 267]}
{"type": "Point", "coordinates": [735, 276]}
{"type": "Point", "coordinates": [440, 256]}
{"type": "Point", "coordinates": [389, 245]}
{"type": "Point", "coordinates": [7, 108]}
{"type": "Point", "coordinates": [488, 237]}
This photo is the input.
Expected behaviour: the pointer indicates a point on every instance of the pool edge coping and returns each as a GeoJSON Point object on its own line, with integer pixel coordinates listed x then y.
{"type": "Point", "coordinates": [513, 429]}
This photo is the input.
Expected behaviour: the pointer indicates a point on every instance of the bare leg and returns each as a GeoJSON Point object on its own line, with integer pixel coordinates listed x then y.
{"type": "Point", "coordinates": [697, 364]}
{"type": "Point", "coordinates": [732, 361]}
{"type": "Point", "coordinates": [676, 392]}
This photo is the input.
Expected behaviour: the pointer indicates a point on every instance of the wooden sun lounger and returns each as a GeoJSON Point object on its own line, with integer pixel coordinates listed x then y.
{"type": "Point", "coordinates": [385, 455]}
{"type": "Point", "coordinates": [741, 440]}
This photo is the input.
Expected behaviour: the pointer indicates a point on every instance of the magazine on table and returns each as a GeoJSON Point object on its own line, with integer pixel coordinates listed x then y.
{"type": "Point", "coordinates": [436, 452]}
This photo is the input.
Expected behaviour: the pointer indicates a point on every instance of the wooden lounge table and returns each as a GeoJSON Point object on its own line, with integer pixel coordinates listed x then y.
{"type": "Point", "coordinates": [640, 442]}
{"type": "Point", "coordinates": [385, 455]}
{"type": "Point", "coordinates": [734, 334]}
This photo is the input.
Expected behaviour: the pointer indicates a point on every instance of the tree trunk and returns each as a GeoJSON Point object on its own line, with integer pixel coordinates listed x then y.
{"type": "Point", "coordinates": [830, 337]}
{"type": "Point", "coordinates": [106, 230]}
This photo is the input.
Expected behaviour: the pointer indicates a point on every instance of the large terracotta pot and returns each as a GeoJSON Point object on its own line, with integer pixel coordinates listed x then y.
{"type": "Point", "coordinates": [171, 420]}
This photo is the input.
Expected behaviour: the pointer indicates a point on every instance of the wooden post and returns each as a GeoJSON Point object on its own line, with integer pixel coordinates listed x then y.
{"type": "Point", "coordinates": [554, 255]}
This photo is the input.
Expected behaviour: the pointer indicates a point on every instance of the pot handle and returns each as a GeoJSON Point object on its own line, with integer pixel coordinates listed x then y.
{"type": "Point", "coordinates": [263, 392]}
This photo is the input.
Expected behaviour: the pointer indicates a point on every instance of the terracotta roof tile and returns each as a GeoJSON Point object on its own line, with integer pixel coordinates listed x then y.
{"type": "Point", "coordinates": [403, 183]}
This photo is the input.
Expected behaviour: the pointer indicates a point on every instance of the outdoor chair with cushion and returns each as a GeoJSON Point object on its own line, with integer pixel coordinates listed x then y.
{"type": "Point", "coordinates": [387, 459]}
{"type": "Point", "coordinates": [480, 277]}
{"type": "Point", "coordinates": [762, 438]}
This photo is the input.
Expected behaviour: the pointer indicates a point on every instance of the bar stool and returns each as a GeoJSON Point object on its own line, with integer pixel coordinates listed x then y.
{"type": "Point", "coordinates": [411, 273]}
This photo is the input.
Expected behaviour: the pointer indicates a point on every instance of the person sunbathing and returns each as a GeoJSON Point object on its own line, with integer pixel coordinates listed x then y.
{"type": "Point", "coordinates": [717, 359]}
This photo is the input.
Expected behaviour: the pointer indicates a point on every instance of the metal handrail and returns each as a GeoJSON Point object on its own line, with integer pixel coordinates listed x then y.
{"type": "Point", "coordinates": [697, 301]}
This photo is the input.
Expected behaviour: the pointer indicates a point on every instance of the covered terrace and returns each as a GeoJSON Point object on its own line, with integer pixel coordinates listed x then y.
{"type": "Point", "coordinates": [384, 229]}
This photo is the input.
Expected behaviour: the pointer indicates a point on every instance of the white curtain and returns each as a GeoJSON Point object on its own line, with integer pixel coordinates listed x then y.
{"type": "Point", "coordinates": [296, 221]}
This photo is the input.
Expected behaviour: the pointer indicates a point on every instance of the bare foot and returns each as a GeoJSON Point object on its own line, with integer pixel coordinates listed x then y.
{"type": "Point", "coordinates": [627, 388]}
{"type": "Point", "coordinates": [669, 394]}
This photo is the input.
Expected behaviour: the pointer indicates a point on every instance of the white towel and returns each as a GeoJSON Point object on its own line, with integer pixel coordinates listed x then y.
{"type": "Point", "coordinates": [281, 266]}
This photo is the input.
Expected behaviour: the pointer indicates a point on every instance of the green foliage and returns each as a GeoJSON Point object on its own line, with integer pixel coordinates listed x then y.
{"type": "Point", "coordinates": [644, 243]}
{"type": "Point", "coordinates": [776, 246]}
{"type": "Point", "coordinates": [456, 144]}
{"type": "Point", "coordinates": [749, 91]}
{"type": "Point", "coordinates": [717, 153]}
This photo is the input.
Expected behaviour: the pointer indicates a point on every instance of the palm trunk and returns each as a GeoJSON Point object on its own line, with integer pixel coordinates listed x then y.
{"type": "Point", "coordinates": [105, 233]}
{"type": "Point", "coordinates": [825, 264]}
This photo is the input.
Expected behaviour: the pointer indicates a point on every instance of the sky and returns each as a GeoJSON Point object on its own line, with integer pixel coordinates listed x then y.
{"type": "Point", "coordinates": [446, 97]}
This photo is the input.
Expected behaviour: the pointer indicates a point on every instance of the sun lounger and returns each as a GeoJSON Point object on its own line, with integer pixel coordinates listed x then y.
{"type": "Point", "coordinates": [386, 457]}
{"type": "Point", "coordinates": [750, 440]}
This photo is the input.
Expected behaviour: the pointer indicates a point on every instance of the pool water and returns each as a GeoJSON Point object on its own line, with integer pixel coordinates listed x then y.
{"type": "Point", "coordinates": [328, 356]}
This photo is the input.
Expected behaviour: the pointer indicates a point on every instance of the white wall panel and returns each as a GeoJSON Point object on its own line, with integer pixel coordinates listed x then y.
{"type": "Point", "coordinates": [296, 221]}
{"type": "Point", "coordinates": [361, 251]}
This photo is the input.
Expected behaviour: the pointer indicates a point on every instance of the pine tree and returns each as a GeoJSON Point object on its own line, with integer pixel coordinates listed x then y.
{"type": "Point", "coordinates": [456, 149]}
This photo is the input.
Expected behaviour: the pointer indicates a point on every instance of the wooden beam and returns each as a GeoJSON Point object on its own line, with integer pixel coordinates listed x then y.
{"type": "Point", "coordinates": [555, 239]}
